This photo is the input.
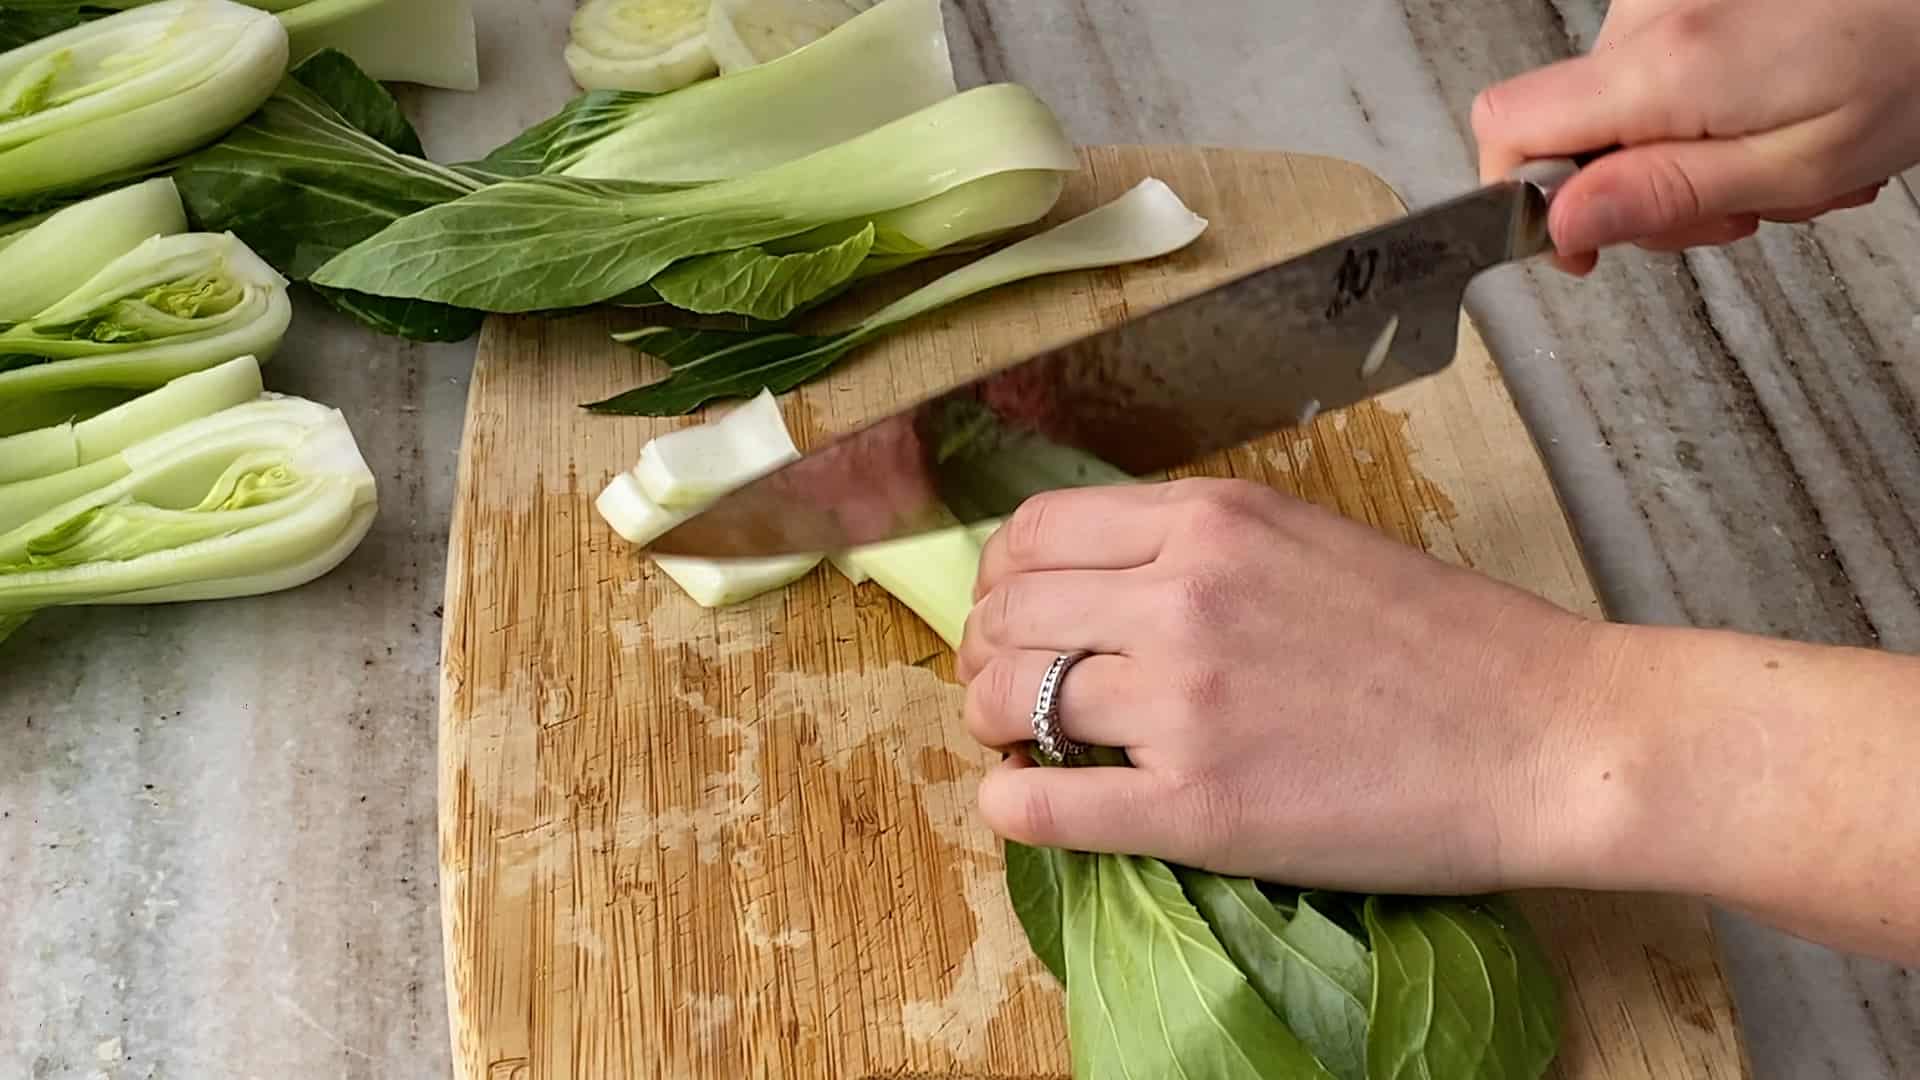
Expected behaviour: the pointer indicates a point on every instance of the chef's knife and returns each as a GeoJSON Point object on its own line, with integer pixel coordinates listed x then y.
{"type": "Point", "coordinates": [1266, 351]}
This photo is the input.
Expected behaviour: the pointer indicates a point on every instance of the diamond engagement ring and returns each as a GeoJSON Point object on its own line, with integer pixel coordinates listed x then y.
{"type": "Point", "coordinates": [1055, 747]}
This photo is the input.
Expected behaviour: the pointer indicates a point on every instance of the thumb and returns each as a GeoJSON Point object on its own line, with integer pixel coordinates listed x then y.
{"type": "Point", "coordinates": [1663, 188]}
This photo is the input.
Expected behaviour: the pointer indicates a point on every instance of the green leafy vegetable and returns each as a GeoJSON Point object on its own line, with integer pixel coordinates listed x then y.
{"type": "Point", "coordinates": [299, 184]}
{"type": "Point", "coordinates": [1461, 991]}
{"type": "Point", "coordinates": [552, 242]}
{"type": "Point", "coordinates": [1146, 222]}
{"type": "Point", "coordinates": [360, 101]}
{"type": "Point", "coordinates": [1311, 973]}
{"type": "Point", "coordinates": [130, 91]}
{"type": "Point", "coordinates": [1150, 990]}
{"type": "Point", "coordinates": [753, 282]}
{"type": "Point", "coordinates": [1033, 884]}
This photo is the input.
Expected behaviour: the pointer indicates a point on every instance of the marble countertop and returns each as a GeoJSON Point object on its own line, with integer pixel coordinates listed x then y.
{"type": "Point", "coordinates": [217, 834]}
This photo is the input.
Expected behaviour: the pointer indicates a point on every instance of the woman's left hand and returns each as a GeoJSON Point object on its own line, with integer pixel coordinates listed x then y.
{"type": "Point", "coordinates": [1303, 699]}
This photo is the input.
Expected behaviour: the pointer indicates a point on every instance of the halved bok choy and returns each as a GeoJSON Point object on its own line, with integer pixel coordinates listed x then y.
{"type": "Point", "coordinates": [430, 42]}
{"type": "Point", "coordinates": [1147, 222]}
{"type": "Point", "coordinates": [258, 497]}
{"type": "Point", "coordinates": [171, 306]}
{"type": "Point", "coordinates": [127, 92]}
{"type": "Point", "coordinates": [44, 260]}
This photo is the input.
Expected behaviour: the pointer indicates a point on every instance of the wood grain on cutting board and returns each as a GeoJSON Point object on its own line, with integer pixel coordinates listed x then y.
{"type": "Point", "coordinates": [742, 843]}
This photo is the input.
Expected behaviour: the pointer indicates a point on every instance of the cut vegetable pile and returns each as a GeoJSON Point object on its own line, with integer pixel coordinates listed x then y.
{"type": "Point", "coordinates": [171, 169]}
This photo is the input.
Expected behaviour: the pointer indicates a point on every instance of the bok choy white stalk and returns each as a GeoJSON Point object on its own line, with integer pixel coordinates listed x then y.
{"type": "Point", "coordinates": [71, 444]}
{"type": "Point", "coordinates": [1147, 222]}
{"type": "Point", "coordinates": [554, 242]}
{"type": "Point", "coordinates": [131, 90]}
{"type": "Point", "coordinates": [173, 305]}
{"type": "Point", "coordinates": [260, 497]}
{"type": "Point", "coordinates": [40, 265]}
{"type": "Point", "coordinates": [743, 33]}
{"type": "Point", "coordinates": [887, 63]}
{"type": "Point", "coordinates": [682, 471]}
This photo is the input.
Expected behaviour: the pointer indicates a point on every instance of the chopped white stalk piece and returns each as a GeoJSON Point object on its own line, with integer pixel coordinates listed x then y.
{"type": "Point", "coordinates": [625, 506]}
{"type": "Point", "coordinates": [724, 582]}
{"type": "Point", "coordinates": [649, 45]}
{"type": "Point", "coordinates": [428, 42]}
{"type": "Point", "coordinates": [849, 569]}
{"type": "Point", "coordinates": [693, 466]}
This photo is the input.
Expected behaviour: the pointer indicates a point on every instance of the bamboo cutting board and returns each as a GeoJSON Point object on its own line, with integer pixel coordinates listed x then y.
{"type": "Point", "coordinates": [680, 843]}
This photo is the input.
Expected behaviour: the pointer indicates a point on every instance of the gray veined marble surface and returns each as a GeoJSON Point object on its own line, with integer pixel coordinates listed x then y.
{"type": "Point", "coordinates": [217, 841]}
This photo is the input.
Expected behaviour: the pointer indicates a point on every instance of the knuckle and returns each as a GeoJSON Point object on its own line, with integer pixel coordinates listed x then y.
{"type": "Point", "coordinates": [988, 699]}
{"type": "Point", "coordinates": [1225, 506]}
{"type": "Point", "coordinates": [1028, 530]}
{"type": "Point", "coordinates": [1205, 689]}
{"type": "Point", "coordinates": [995, 613]}
{"type": "Point", "coordinates": [1202, 601]}
{"type": "Point", "coordinates": [1675, 198]}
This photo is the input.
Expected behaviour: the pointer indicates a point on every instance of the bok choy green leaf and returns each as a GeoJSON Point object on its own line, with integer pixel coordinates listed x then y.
{"type": "Point", "coordinates": [1147, 222]}
{"type": "Point", "coordinates": [130, 91]}
{"type": "Point", "coordinates": [554, 242]}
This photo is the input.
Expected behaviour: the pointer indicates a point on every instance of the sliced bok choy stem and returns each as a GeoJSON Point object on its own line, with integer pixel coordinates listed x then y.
{"type": "Point", "coordinates": [744, 33]}
{"type": "Point", "coordinates": [649, 45]}
{"type": "Point", "coordinates": [42, 452]}
{"type": "Point", "coordinates": [428, 42]}
{"type": "Point", "coordinates": [172, 306]}
{"type": "Point", "coordinates": [260, 497]}
{"type": "Point", "coordinates": [694, 466]}
{"type": "Point", "coordinates": [130, 91]}
{"type": "Point", "coordinates": [688, 469]}
{"type": "Point", "coordinates": [599, 240]}
{"type": "Point", "coordinates": [1147, 222]}
{"type": "Point", "coordinates": [885, 64]}
{"type": "Point", "coordinates": [40, 266]}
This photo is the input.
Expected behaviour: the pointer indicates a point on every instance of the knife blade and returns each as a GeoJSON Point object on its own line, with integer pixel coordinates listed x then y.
{"type": "Point", "coordinates": [1269, 350]}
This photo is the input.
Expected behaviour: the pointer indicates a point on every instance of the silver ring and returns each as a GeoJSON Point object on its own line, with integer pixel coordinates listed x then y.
{"type": "Point", "coordinates": [1055, 747]}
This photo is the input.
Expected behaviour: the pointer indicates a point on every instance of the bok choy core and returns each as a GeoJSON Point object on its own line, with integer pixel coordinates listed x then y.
{"type": "Point", "coordinates": [258, 497]}
{"type": "Point", "coordinates": [554, 242]}
{"type": "Point", "coordinates": [649, 45]}
{"type": "Point", "coordinates": [1147, 222]}
{"type": "Point", "coordinates": [173, 305]}
{"type": "Point", "coordinates": [130, 91]}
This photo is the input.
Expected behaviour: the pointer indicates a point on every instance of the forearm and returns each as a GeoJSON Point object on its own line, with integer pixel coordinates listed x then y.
{"type": "Point", "coordinates": [1773, 777]}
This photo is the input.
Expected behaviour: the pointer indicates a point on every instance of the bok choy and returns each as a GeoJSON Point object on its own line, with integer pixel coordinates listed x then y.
{"type": "Point", "coordinates": [42, 261]}
{"type": "Point", "coordinates": [555, 242]}
{"type": "Point", "coordinates": [129, 91]}
{"type": "Point", "coordinates": [171, 306]}
{"type": "Point", "coordinates": [888, 63]}
{"type": "Point", "coordinates": [1147, 222]}
{"type": "Point", "coordinates": [650, 45]}
{"type": "Point", "coordinates": [430, 42]}
{"type": "Point", "coordinates": [258, 497]}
